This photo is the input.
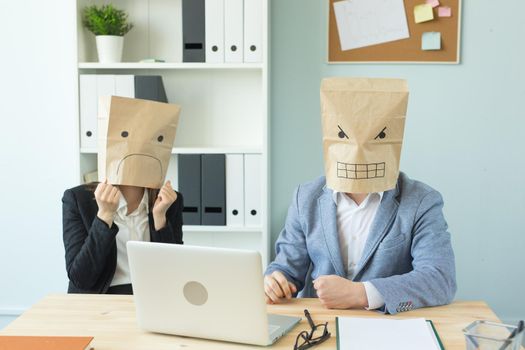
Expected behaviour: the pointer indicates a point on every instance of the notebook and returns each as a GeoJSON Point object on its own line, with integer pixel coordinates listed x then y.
{"type": "Point", "coordinates": [391, 334]}
{"type": "Point", "coordinates": [8, 342]}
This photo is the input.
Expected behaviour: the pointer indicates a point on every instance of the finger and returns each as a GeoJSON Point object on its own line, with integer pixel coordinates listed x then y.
{"type": "Point", "coordinates": [107, 194]}
{"type": "Point", "coordinates": [109, 189]}
{"type": "Point", "coordinates": [271, 294]}
{"type": "Point", "coordinates": [168, 184]}
{"type": "Point", "coordinates": [267, 299]}
{"type": "Point", "coordinates": [283, 284]}
{"type": "Point", "coordinates": [292, 286]}
{"type": "Point", "coordinates": [116, 196]}
{"type": "Point", "coordinates": [319, 282]}
{"type": "Point", "coordinates": [168, 194]}
{"type": "Point", "coordinates": [316, 284]}
{"type": "Point", "coordinates": [100, 188]}
{"type": "Point", "coordinates": [276, 289]}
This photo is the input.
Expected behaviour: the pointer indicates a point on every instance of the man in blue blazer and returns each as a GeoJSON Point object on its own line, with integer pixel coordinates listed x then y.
{"type": "Point", "coordinates": [366, 235]}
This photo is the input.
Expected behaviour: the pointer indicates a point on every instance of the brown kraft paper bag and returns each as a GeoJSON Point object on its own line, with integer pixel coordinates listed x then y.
{"type": "Point", "coordinates": [363, 124]}
{"type": "Point", "coordinates": [135, 140]}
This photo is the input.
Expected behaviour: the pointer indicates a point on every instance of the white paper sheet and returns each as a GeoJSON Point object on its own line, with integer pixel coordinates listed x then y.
{"type": "Point", "coordinates": [369, 22]}
{"type": "Point", "coordinates": [385, 334]}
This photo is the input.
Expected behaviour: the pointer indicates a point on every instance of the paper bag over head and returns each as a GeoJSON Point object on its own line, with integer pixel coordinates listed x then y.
{"type": "Point", "coordinates": [363, 124]}
{"type": "Point", "coordinates": [135, 140]}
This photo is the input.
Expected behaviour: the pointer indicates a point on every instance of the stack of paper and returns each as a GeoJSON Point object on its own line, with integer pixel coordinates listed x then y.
{"type": "Point", "coordinates": [380, 333]}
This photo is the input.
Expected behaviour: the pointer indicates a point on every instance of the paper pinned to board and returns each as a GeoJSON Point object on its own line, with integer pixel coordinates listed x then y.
{"type": "Point", "coordinates": [423, 13]}
{"type": "Point", "coordinates": [362, 23]}
{"type": "Point", "coordinates": [431, 41]}
{"type": "Point", "coordinates": [433, 3]}
{"type": "Point", "coordinates": [444, 11]}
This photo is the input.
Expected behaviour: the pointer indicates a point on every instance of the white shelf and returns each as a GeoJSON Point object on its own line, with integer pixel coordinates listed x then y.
{"type": "Point", "coordinates": [197, 150]}
{"type": "Point", "coordinates": [168, 65]}
{"type": "Point", "coordinates": [191, 228]}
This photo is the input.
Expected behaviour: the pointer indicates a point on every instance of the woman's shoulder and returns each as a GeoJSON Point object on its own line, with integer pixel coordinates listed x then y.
{"type": "Point", "coordinates": [80, 193]}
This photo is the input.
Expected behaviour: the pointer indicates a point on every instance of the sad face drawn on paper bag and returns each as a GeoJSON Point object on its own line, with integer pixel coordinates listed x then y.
{"type": "Point", "coordinates": [135, 140]}
{"type": "Point", "coordinates": [363, 125]}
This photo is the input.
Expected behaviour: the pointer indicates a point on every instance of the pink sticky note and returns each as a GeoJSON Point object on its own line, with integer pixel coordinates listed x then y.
{"type": "Point", "coordinates": [433, 3]}
{"type": "Point", "coordinates": [444, 11]}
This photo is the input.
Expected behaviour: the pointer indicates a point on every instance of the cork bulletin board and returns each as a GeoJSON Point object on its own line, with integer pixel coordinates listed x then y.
{"type": "Point", "coordinates": [405, 50]}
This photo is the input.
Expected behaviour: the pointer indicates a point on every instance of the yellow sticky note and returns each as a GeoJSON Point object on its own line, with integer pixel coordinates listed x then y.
{"type": "Point", "coordinates": [423, 13]}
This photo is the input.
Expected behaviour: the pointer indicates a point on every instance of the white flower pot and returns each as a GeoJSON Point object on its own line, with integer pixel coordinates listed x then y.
{"type": "Point", "coordinates": [109, 48]}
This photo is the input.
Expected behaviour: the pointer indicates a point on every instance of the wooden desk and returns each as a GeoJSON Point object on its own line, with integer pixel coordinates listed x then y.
{"type": "Point", "coordinates": [111, 320]}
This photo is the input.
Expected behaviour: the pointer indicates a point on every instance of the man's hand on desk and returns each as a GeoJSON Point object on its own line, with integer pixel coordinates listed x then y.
{"type": "Point", "coordinates": [277, 288]}
{"type": "Point", "coordinates": [336, 292]}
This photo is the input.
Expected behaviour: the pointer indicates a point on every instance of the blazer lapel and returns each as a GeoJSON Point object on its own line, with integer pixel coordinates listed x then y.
{"type": "Point", "coordinates": [385, 214]}
{"type": "Point", "coordinates": [327, 213]}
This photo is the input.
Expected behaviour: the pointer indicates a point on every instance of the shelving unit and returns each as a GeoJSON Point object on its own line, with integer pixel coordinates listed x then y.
{"type": "Point", "coordinates": [224, 105]}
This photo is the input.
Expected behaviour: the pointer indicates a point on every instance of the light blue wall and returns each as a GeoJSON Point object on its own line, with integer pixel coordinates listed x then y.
{"type": "Point", "coordinates": [5, 320]}
{"type": "Point", "coordinates": [464, 136]}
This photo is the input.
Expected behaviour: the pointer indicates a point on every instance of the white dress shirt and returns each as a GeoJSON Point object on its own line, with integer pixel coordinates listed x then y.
{"type": "Point", "coordinates": [353, 226]}
{"type": "Point", "coordinates": [132, 227]}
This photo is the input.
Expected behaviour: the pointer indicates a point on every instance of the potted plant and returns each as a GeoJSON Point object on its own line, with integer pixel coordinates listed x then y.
{"type": "Point", "coordinates": [109, 25]}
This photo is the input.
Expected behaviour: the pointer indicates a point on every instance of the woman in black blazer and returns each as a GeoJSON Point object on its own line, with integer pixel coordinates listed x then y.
{"type": "Point", "coordinates": [90, 231]}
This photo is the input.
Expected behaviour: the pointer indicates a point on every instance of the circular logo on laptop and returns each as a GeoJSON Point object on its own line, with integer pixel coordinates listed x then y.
{"type": "Point", "coordinates": [195, 293]}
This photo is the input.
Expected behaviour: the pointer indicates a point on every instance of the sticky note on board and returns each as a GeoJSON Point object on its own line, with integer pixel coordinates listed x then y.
{"type": "Point", "coordinates": [423, 13]}
{"type": "Point", "coordinates": [433, 3]}
{"type": "Point", "coordinates": [444, 11]}
{"type": "Point", "coordinates": [431, 41]}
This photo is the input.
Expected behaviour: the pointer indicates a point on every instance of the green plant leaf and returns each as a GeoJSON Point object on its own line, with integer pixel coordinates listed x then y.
{"type": "Point", "coordinates": [106, 20]}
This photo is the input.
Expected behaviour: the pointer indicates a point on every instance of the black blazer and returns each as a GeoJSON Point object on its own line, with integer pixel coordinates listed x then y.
{"type": "Point", "coordinates": [91, 248]}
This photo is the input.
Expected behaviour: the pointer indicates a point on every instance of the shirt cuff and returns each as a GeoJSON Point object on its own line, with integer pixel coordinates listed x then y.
{"type": "Point", "coordinates": [375, 299]}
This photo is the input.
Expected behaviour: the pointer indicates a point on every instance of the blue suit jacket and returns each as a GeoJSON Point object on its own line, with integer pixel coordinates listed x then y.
{"type": "Point", "coordinates": [408, 256]}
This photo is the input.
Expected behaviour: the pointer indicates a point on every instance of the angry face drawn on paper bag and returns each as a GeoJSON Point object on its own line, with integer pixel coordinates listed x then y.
{"type": "Point", "coordinates": [135, 140]}
{"type": "Point", "coordinates": [363, 125]}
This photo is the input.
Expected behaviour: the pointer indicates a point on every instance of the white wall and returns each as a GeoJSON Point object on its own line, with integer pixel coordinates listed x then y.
{"type": "Point", "coordinates": [38, 146]}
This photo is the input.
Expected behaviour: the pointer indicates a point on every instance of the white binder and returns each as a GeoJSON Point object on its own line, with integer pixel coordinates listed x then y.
{"type": "Point", "coordinates": [253, 30]}
{"type": "Point", "coordinates": [233, 31]}
{"type": "Point", "coordinates": [88, 111]}
{"type": "Point", "coordinates": [214, 24]}
{"type": "Point", "coordinates": [234, 190]}
{"type": "Point", "coordinates": [105, 85]}
{"type": "Point", "coordinates": [125, 86]}
{"type": "Point", "coordinates": [252, 189]}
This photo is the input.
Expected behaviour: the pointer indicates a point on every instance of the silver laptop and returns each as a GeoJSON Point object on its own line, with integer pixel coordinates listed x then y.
{"type": "Point", "coordinates": [203, 292]}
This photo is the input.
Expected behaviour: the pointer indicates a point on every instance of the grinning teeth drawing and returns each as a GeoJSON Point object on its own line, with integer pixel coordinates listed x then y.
{"type": "Point", "coordinates": [360, 171]}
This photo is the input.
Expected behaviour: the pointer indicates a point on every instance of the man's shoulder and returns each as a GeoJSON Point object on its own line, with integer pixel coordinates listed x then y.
{"type": "Point", "coordinates": [312, 188]}
{"type": "Point", "coordinates": [410, 189]}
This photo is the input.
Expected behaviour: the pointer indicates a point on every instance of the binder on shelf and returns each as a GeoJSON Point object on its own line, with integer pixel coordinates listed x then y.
{"type": "Point", "coordinates": [214, 18]}
{"type": "Point", "coordinates": [150, 87]}
{"type": "Point", "coordinates": [189, 173]}
{"type": "Point", "coordinates": [213, 189]}
{"type": "Point", "coordinates": [234, 190]}
{"type": "Point", "coordinates": [124, 86]}
{"type": "Point", "coordinates": [105, 85]}
{"type": "Point", "coordinates": [193, 31]}
{"type": "Point", "coordinates": [253, 30]}
{"type": "Point", "coordinates": [252, 189]}
{"type": "Point", "coordinates": [88, 111]}
{"type": "Point", "coordinates": [233, 31]}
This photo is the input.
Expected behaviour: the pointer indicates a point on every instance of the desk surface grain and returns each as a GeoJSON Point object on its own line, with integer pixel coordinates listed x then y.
{"type": "Point", "coordinates": [111, 320]}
